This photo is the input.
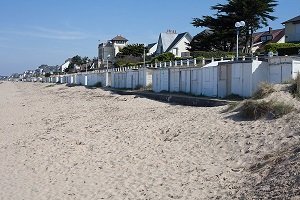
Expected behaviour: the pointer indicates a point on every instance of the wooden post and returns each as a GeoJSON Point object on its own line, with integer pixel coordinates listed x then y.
{"type": "Point", "coordinates": [195, 62]}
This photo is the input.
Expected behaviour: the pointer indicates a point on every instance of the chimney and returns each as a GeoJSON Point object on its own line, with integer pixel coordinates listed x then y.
{"type": "Point", "coordinates": [270, 29]}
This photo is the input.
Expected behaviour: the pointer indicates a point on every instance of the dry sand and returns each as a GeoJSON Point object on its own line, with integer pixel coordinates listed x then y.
{"type": "Point", "coordinates": [59, 142]}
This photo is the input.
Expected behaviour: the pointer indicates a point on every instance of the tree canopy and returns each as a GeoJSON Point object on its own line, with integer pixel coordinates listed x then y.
{"type": "Point", "coordinates": [255, 13]}
{"type": "Point", "coordinates": [76, 61]}
{"type": "Point", "coordinates": [136, 50]}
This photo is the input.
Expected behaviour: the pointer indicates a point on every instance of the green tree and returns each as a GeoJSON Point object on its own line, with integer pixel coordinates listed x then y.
{"type": "Point", "coordinates": [164, 57]}
{"type": "Point", "coordinates": [136, 50]}
{"type": "Point", "coordinates": [76, 61]}
{"type": "Point", "coordinates": [255, 13]}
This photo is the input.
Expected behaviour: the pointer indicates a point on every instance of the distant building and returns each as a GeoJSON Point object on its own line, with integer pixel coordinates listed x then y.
{"type": "Point", "coordinates": [151, 49]}
{"type": "Point", "coordinates": [111, 48]}
{"type": "Point", "coordinates": [65, 65]}
{"type": "Point", "coordinates": [175, 43]}
{"type": "Point", "coordinates": [292, 29]}
{"type": "Point", "coordinates": [260, 39]}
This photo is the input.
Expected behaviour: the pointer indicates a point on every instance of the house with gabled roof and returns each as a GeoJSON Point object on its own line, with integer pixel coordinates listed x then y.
{"type": "Point", "coordinates": [151, 49]}
{"type": "Point", "coordinates": [175, 43]}
{"type": "Point", "coordinates": [292, 29]}
{"type": "Point", "coordinates": [260, 39]}
{"type": "Point", "coordinates": [109, 49]}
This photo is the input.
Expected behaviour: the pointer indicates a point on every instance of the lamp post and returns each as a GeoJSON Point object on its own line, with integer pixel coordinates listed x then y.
{"type": "Point", "coordinates": [86, 70]}
{"type": "Point", "coordinates": [238, 26]}
{"type": "Point", "coordinates": [144, 56]}
{"type": "Point", "coordinates": [86, 66]}
{"type": "Point", "coordinates": [106, 82]}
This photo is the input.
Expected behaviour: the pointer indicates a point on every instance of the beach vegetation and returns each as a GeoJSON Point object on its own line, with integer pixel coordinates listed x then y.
{"type": "Point", "coordinates": [264, 90]}
{"type": "Point", "coordinates": [252, 109]}
{"type": "Point", "coordinates": [294, 88]}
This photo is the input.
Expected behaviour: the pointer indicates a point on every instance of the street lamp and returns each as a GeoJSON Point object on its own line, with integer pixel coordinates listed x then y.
{"type": "Point", "coordinates": [106, 81]}
{"type": "Point", "coordinates": [108, 56]}
{"type": "Point", "coordinates": [144, 56]}
{"type": "Point", "coordinates": [238, 26]}
{"type": "Point", "coordinates": [86, 65]}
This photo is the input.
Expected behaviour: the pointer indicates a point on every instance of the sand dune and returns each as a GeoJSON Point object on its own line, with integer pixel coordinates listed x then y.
{"type": "Point", "coordinates": [59, 142]}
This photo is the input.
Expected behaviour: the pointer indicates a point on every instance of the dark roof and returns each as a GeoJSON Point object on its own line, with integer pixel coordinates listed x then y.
{"type": "Point", "coordinates": [151, 45]}
{"type": "Point", "coordinates": [277, 35]}
{"type": "Point", "coordinates": [295, 19]}
{"type": "Point", "coordinates": [119, 38]}
{"type": "Point", "coordinates": [177, 39]}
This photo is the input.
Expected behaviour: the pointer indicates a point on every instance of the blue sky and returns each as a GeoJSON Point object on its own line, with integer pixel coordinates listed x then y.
{"type": "Point", "coordinates": [35, 32]}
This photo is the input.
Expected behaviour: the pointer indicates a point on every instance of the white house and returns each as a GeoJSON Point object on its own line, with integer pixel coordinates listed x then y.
{"type": "Point", "coordinates": [151, 49]}
{"type": "Point", "coordinates": [175, 43]}
{"type": "Point", "coordinates": [111, 48]}
{"type": "Point", "coordinates": [260, 39]}
{"type": "Point", "coordinates": [292, 29]}
{"type": "Point", "coordinates": [65, 65]}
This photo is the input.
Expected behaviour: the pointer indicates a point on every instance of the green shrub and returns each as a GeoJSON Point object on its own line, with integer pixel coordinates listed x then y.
{"type": "Point", "coordinates": [212, 54]}
{"type": "Point", "coordinates": [251, 109]}
{"type": "Point", "coordinates": [294, 89]}
{"type": "Point", "coordinates": [264, 90]}
{"type": "Point", "coordinates": [164, 57]}
{"type": "Point", "coordinates": [283, 48]}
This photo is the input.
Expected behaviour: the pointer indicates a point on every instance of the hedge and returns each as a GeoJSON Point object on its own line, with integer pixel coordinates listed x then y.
{"type": "Point", "coordinates": [214, 54]}
{"type": "Point", "coordinates": [283, 48]}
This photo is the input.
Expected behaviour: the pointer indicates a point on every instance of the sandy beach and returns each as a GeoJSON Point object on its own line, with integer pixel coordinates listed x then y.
{"type": "Point", "coordinates": [59, 142]}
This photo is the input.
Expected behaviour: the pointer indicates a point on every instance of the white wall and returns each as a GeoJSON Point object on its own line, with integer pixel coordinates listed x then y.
{"type": "Point", "coordinates": [132, 79]}
{"type": "Point", "coordinates": [196, 81]}
{"type": "Point", "coordinates": [181, 47]}
{"type": "Point", "coordinates": [160, 80]}
{"type": "Point", "coordinates": [145, 76]}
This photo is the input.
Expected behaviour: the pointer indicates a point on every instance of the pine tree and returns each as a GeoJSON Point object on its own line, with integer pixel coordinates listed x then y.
{"type": "Point", "coordinates": [255, 13]}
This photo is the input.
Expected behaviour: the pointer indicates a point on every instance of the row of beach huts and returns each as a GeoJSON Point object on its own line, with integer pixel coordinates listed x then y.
{"type": "Point", "coordinates": [215, 79]}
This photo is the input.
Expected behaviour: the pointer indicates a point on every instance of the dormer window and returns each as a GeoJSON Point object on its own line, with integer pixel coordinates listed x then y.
{"type": "Point", "coordinates": [269, 37]}
{"type": "Point", "coordinates": [266, 38]}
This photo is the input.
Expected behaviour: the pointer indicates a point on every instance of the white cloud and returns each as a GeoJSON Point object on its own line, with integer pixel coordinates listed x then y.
{"type": "Point", "coordinates": [42, 32]}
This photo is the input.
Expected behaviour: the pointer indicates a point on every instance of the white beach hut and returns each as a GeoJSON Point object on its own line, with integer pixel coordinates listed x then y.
{"type": "Point", "coordinates": [241, 78]}
{"type": "Point", "coordinates": [160, 80]}
{"type": "Point", "coordinates": [283, 68]}
{"type": "Point", "coordinates": [145, 76]}
{"type": "Point", "coordinates": [132, 79]}
{"type": "Point", "coordinates": [196, 81]}
{"type": "Point", "coordinates": [119, 79]}
{"type": "Point", "coordinates": [180, 79]}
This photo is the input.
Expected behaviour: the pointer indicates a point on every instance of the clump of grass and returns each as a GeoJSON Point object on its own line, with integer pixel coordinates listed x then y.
{"type": "Point", "coordinates": [47, 86]}
{"type": "Point", "coordinates": [231, 107]}
{"type": "Point", "coordinates": [264, 90]}
{"type": "Point", "coordinates": [295, 87]}
{"type": "Point", "coordinates": [251, 109]}
{"type": "Point", "coordinates": [149, 87]}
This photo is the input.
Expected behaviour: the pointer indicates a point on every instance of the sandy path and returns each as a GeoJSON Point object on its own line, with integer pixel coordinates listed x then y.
{"type": "Point", "coordinates": [75, 143]}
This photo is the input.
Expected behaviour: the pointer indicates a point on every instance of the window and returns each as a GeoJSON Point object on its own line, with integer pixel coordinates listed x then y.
{"type": "Point", "coordinates": [263, 38]}
{"type": "Point", "coordinates": [269, 37]}
{"type": "Point", "coordinates": [266, 38]}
